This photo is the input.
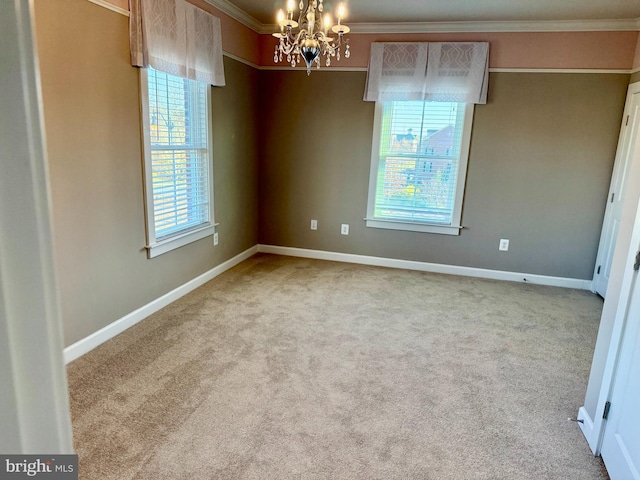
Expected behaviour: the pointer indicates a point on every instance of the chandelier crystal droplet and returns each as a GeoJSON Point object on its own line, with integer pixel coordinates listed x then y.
{"type": "Point", "coordinates": [308, 38]}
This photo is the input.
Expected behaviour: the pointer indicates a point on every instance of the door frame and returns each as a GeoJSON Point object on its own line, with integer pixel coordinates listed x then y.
{"type": "Point", "coordinates": [34, 404]}
{"type": "Point", "coordinates": [625, 141]}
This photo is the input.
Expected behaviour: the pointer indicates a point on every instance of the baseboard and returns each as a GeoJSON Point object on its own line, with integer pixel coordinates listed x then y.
{"type": "Point", "coordinates": [87, 344]}
{"type": "Point", "coordinates": [428, 267]}
{"type": "Point", "coordinates": [586, 427]}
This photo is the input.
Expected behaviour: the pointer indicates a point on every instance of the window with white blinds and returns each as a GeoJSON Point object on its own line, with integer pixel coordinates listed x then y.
{"type": "Point", "coordinates": [177, 160]}
{"type": "Point", "coordinates": [419, 165]}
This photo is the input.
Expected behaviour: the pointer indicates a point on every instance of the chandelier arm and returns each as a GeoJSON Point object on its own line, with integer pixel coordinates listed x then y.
{"type": "Point", "coordinates": [324, 41]}
{"type": "Point", "coordinates": [302, 33]}
{"type": "Point", "coordinates": [290, 35]}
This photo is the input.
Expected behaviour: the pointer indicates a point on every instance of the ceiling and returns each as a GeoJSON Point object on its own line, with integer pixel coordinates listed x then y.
{"type": "Point", "coordinates": [395, 11]}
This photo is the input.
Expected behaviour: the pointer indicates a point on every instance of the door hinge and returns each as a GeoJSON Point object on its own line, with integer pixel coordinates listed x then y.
{"type": "Point", "coordinates": [607, 407]}
{"type": "Point", "coordinates": [636, 266]}
{"type": "Point", "coordinates": [613, 194]}
{"type": "Point", "coordinates": [627, 122]}
{"type": "Point", "coordinates": [599, 267]}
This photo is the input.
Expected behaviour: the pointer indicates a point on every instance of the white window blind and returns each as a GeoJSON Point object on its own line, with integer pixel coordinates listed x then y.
{"type": "Point", "coordinates": [178, 160]}
{"type": "Point", "coordinates": [419, 166]}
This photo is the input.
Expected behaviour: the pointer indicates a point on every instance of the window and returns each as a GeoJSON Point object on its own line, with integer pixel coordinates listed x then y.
{"type": "Point", "coordinates": [419, 164]}
{"type": "Point", "coordinates": [178, 163]}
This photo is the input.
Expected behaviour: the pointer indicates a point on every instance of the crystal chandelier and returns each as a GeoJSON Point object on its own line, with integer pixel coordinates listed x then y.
{"type": "Point", "coordinates": [311, 41]}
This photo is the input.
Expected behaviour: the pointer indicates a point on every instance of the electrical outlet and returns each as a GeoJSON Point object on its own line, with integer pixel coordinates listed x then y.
{"type": "Point", "coordinates": [314, 224]}
{"type": "Point", "coordinates": [344, 229]}
{"type": "Point", "coordinates": [215, 238]}
{"type": "Point", "coordinates": [504, 245]}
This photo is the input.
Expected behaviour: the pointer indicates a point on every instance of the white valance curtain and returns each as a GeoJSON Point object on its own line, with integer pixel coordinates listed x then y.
{"type": "Point", "coordinates": [178, 38]}
{"type": "Point", "coordinates": [429, 71]}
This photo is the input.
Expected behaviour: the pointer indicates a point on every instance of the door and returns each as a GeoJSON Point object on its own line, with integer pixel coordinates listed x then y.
{"type": "Point", "coordinates": [621, 441]}
{"type": "Point", "coordinates": [626, 144]}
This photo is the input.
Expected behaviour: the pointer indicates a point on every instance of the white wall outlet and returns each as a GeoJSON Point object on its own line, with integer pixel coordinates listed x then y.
{"type": "Point", "coordinates": [504, 245]}
{"type": "Point", "coordinates": [314, 224]}
{"type": "Point", "coordinates": [344, 229]}
{"type": "Point", "coordinates": [215, 238]}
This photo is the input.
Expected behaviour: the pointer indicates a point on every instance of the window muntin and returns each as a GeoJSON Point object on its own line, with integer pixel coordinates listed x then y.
{"type": "Point", "coordinates": [178, 164]}
{"type": "Point", "coordinates": [419, 165]}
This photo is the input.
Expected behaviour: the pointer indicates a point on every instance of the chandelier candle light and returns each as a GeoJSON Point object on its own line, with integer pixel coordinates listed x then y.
{"type": "Point", "coordinates": [312, 40]}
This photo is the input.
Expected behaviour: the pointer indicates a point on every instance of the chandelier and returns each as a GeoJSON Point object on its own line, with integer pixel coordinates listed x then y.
{"type": "Point", "coordinates": [312, 39]}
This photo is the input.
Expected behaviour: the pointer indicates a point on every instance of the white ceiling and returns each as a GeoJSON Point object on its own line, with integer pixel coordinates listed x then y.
{"type": "Point", "coordinates": [394, 11]}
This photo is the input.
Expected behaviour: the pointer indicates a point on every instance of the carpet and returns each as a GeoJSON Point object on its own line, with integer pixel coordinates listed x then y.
{"type": "Point", "coordinates": [288, 368]}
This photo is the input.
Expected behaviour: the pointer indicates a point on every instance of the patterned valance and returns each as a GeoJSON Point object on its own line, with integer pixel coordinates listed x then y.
{"type": "Point", "coordinates": [430, 71]}
{"type": "Point", "coordinates": [178, 38]}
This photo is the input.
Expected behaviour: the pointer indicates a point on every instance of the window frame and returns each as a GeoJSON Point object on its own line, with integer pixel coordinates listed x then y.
{"type": "Point", "coordinates": [158, 247]}
{"type": "Point", "coordinates": [414, 226]}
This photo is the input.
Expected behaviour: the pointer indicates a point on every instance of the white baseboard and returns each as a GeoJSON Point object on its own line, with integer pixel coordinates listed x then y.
{"type": "Point", "coordinates": [90, 342]}
{"type": "Point", "coordinates": [586, 427]}
{"type": "Point", "coordinates": [87, 344]}
{"type": "Point", "coordinates": [428, 267]}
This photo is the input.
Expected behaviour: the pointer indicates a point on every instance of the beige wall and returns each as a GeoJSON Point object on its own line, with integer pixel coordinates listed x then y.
{"type": "Point", "coordinates": [315, 159]}
{"type": "Point", "coordinates": [542, 152]}
{"type": "Point", "coordinates": [91, 107]}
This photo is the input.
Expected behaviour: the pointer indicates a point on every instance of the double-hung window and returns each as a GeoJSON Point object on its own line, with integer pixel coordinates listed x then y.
{"type": "Point", "coordinates": [419, 164]}
{"type": "Point", "coordinates": [178, 162]}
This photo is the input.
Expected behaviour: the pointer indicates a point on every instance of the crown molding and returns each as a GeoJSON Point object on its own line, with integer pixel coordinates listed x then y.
{"type": "Point", "coordinates": [562, 70]}
{"type": "Point", "coordinates": [489, 26]}
{"type": "Point", "coordinates": [500, 26]}
{"type": "Point", "coordinates": [237, 14]}
{"type": "Point", "coordinates": [241, 60]}
{"type": "Point", "coordinates": [110, 6]}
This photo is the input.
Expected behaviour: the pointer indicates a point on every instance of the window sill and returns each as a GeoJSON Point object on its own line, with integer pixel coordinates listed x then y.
{"type": "Point", "coordinates": [413, 227]}
{"type": "Point", "coordinates": [172, 243]}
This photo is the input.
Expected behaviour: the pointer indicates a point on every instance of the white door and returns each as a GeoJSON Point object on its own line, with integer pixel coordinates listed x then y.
{"type": "Point", "coordinates": [624, 155]}
{"type": "Point", "coordinates": [621, 442]}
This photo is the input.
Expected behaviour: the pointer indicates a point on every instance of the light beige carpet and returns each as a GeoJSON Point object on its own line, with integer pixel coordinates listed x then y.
{"type": "Point", "coordinates": [288, 368]}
